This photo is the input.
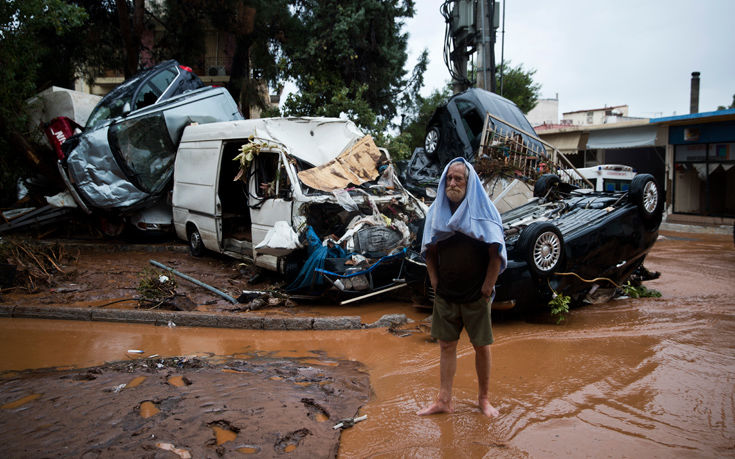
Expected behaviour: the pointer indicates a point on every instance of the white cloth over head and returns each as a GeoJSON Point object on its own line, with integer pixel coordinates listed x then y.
{"type": "Point", "coordinates": [475, 217]}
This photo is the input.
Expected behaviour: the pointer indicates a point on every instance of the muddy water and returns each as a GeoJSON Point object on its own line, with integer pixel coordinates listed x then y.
{"type": "Point", "coordinates": [645, 377]}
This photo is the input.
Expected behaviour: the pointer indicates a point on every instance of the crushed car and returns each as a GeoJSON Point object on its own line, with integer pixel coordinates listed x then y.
{"type": "Point", "coordinates": [122, 161]}
{"type": "Point", "coordinates": [456, 128]}
{"type": "Point", "coordinates": [577, 242]}
{"type": "Point", "coordinates": [311, 198]}
{"type": "Point", "coordinates": [580, 233]}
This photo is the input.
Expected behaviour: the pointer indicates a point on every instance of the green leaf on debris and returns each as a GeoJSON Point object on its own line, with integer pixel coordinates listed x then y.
{"type": "Point", "coordinates": [559, 305]}
{"type": "Point", "coordinates": [640, 291]}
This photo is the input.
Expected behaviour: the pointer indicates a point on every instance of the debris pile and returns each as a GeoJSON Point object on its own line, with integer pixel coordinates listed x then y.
{"type": "Point", "coordinates": [33, 265]}
{"type": "Point", "coordinates": [156, 288]}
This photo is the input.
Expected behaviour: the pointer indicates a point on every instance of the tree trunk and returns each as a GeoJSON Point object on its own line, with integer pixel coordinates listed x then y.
{"type": "Point", "coordinates": [131, 31]}
{"type": "Point", "coordinates": [240, 74]}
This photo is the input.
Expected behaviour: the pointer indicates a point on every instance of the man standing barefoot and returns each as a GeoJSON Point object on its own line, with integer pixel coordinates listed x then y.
{"type": "Point", "coordinates": [465, 252]}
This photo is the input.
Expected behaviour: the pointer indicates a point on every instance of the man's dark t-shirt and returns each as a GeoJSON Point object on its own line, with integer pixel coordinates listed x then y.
{"type": "Point", "coordinates": [462, 268]}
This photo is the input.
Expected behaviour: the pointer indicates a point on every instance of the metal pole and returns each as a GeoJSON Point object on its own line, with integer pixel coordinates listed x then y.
{"type": "Point", "coordinates": [483, 47]}
{"type": "Point", "coordinates": [502, 51]}
{"type": "Point", "coordinates": [194, 281]}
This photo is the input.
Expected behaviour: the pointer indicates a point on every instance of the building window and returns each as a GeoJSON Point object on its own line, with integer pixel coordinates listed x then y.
{"type": "Point", "coordinates": [704, 179]}
{"type": "Point", "coordinates": [590, 117]}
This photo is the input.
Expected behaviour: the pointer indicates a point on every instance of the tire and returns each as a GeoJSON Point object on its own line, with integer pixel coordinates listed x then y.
{"type": "Point", "coordinates": [545, 184]}
{"type": "Point", "coordinates": [431, 141]}
{"type": "Point", "coordinates": [644, 193]}
{"type": "Point", "coordinates": [542, 246]}
{"type": "Point", "coordinates": [196, 246]}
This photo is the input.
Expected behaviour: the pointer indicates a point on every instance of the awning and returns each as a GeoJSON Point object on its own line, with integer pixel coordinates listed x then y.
{"type": "Point", "coordinates": [644, 136]}
{"type": "Point", "coordinates": [566, 142]}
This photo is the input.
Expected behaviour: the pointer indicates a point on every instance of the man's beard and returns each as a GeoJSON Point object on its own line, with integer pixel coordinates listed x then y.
{"type": "Point", "coordinates": [455, 195]}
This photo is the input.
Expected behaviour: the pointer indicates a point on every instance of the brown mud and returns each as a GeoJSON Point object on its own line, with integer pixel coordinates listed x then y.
{"type": "Point", "coordinates": [132, 409]}
{"type": "Point", "coordinates": [651, 377]}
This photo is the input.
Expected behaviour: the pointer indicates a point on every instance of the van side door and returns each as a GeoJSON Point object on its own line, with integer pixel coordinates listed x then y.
{"type": "Point", "coordinates": [270, 200]}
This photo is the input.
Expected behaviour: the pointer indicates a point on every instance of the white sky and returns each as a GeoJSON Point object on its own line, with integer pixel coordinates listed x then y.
{"type": "Point", "coordinates": [597, 53]}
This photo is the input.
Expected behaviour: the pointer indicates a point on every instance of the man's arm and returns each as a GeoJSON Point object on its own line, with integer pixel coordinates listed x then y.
{"type": "Point", "coordinates": [432, 266]}
{"type": "Point", "coordinates": [493, 270]}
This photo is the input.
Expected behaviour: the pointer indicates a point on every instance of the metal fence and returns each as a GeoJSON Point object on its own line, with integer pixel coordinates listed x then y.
{"type": "Point", "coordinates": [503, 152]}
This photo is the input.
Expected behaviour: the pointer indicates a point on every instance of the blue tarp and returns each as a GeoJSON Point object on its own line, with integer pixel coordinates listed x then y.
{"type": "Point", "coordinates": [308, 277]}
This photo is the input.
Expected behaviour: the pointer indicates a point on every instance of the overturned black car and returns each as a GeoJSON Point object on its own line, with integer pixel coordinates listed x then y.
{"type": "Point", "coordinates": [572, 241]}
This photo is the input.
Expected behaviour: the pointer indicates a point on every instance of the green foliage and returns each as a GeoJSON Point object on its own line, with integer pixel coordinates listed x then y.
{"type": "Point", "coordinates": [732, 105]}
{"type": "Point", "coordinates": [518, 86]}
{"type": "Point", "coordinates": [559, 305]}
{"type": "Point", "coordinates": [415, 118]}
{"type": "Point", "coordinates": [349, 59]}
{"type": "Point", "coordinates": [640, 291]}
{"type": "Point", "coordinates": [28, 29]}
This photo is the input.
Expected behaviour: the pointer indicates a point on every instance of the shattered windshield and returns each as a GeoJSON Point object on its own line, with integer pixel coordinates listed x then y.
{"type": "Point", "coordinates": [144, 151]}
{"type": "Point", "coordinates": [111, 106]}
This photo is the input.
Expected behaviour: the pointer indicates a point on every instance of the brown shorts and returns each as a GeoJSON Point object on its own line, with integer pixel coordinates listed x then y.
{"type": "Point", "coordinates": [449, 318]}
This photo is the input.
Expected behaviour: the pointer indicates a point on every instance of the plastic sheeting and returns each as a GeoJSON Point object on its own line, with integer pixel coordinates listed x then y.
{"type": "Point", "coordinates": [308, 278]}
{"type": "Point", "coordinates": [280, 240]}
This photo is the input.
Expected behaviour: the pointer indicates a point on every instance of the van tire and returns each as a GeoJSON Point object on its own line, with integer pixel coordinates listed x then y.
{"type": "Point", "coordinates": [196, 246]}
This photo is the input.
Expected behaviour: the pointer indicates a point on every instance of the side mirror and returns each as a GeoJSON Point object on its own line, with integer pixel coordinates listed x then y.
{"type": "Point", "coordinates": [126, 108]}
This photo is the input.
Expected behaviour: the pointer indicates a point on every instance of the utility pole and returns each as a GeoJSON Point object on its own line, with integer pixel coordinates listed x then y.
{"type": "Point", "coordinates": [471, 27]}
{"type": "Point", "coordinates": [487, 21]}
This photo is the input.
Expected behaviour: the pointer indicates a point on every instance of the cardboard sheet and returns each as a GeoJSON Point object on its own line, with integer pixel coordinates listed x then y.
{"type": "Point", "coordinates": [356, 165]}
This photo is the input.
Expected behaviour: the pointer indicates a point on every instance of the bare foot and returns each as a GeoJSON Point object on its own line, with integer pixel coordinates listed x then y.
{"type": "Point", "coordinates": [487, 409]}
{"type": "Point", "coordinates": [437, 407]}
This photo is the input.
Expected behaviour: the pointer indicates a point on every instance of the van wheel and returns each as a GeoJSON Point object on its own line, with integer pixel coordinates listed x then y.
{"type": "Point", "coordinates": [196, 246]}
{"type": "Point", "coordinates": [542, 246]}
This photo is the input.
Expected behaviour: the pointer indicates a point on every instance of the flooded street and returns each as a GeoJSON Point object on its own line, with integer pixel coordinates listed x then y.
{"type": "Point", "coordinates": [651, 377]}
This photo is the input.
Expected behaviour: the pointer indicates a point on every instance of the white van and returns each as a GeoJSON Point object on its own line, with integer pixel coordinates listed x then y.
{"type": "Point", "coordinates": [317, 173]}
{"type": "Point", "coordinates": [608, 177]}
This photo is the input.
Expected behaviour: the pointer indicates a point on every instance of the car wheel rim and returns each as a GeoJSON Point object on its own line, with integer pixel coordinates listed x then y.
{"type": "Point", "coordinates": [546, 251]}
{"type": "Point", "coordinates": [196, 240]}
{"type": "Point", "coordinates": [431, 140]}
{"type": "Point", "coordinates": [650, 197]}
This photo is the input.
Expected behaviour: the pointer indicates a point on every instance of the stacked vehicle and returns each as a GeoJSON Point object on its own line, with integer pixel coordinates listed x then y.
{"type": "Point", "coordinates": [571, 232]}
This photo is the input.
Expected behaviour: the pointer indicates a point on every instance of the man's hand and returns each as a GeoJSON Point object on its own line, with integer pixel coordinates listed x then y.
{"type": "Point", "coordinates": [432, 266]}
{"type": "Point", "coordinates": [493, 270]}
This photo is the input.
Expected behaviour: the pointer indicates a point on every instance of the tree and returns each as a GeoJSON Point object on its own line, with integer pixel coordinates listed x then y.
{"type": "Point", "coordinates": [349, 58]}
{"type": "Point", "coordinates": [257, 27]}
{"type": "Point", "coordinates": [732, 105]}
{"type": "Point", "coordinates": [23, 23]}
{"type": "Point", "coordinates": [414, 121]}
{"type": "Point", "coordinates": [518, 85]}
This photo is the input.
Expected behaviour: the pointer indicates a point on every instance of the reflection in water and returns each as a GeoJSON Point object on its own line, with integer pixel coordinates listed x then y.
{"type": "Point", "coordinates": [637, 378]}
{"type": "Point", "coordinates": [20, 402]}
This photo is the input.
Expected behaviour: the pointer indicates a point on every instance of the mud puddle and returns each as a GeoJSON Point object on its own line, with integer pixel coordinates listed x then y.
{"type": "Point", "coordinates": [635, 378]}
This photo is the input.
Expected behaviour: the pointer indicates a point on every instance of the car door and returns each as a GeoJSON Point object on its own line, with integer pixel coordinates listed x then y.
{"type": "Point", "coordinates": [269, 199]}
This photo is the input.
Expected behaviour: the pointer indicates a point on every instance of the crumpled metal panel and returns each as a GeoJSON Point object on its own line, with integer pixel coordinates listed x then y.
{"type": "Point", "coordinates": [97, 175]}
{"type": "Point", "coordinates": [311, 139]}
